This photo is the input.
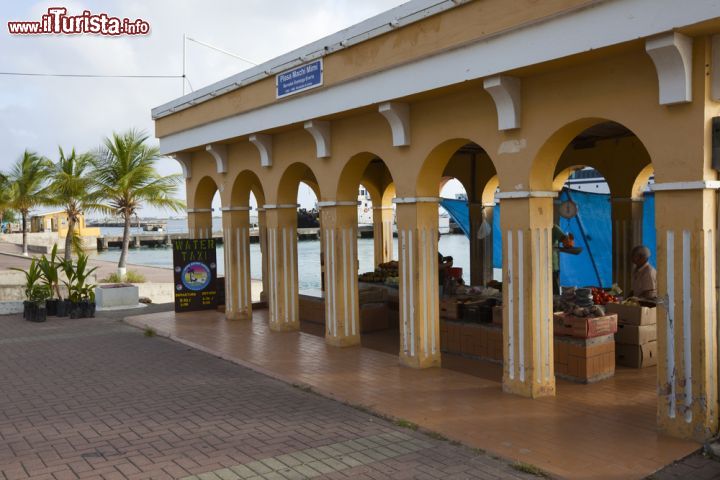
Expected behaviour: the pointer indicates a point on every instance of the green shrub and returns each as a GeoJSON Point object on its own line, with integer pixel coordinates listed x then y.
{"type": "Point", "coordinates": [130, 277]}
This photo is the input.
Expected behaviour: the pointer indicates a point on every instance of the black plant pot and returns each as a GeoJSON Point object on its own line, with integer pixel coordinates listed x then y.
{"type": "Point", "coordinates": [74, 310]}
{"type": "Point", "coordinates": [62, 308]}
{"type": "Point", "coordinates": [92, 310]}
{"type": "Point", "coordinates": [26, 309]}
{"type": "Point", "coordinates": [84, 309]}
{"type": "Point", "coordinates": [51, 306]}
{"type": "Point", "coordinates": [40, 313]}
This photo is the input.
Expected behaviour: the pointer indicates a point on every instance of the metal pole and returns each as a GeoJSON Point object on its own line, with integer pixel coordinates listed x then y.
{"type": "Point", "coordinates": [587, 243]}
{"type": "Point", "coordinates": [183, 64]}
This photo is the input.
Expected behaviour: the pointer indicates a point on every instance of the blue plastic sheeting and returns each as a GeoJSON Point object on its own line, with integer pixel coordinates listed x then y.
{"type": "Point", "coordinates": [459, 211]}
{"type": "Point", "coordinates": [592, 229]}
{"type": "Point", "coordinates": [649, 234]}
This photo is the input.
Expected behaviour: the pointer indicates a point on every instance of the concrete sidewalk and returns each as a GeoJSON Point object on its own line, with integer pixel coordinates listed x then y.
{"type": "Point", "coordinates": [96, 399]}
{"type": "Point", "coordinates": [601, 431]}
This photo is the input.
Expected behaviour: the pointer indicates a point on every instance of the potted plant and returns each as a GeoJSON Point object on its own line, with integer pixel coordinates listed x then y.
{"type": "Point", "coordinates": [38, 295]}
{"type": "Point", "coordinates": [49, 268]}
{"type": "Point", "coordinates": [33, 279]}
{"type": "Point", "coordinates": [78, 289]}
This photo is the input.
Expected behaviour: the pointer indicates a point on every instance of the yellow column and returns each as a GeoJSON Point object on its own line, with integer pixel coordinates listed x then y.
{"type": "Point", "coordinates": [339, 236]}
{"type": "Point", "coordinates": [262, 239]}
{"type": "Point", "coordinates": [282, 267]}
{"type": "Point", "coordinates": [236, 237]}
{"type": "Point", "coordinates": [687, 322]}
{"type": "Point", "coordinates": [527, 294]}
{"type": "Point", "coordinates": [626, 234]}
{"type": "Point", "coordinates": [417, 220]}
{"type": "Point", "coordinates": [383, 233]}
{"type": "Point", "coordinates": [200, 222]}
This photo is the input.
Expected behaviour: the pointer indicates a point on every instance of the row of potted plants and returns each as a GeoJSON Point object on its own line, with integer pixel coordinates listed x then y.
{"type": "Point", "coordinates": [42, 288]}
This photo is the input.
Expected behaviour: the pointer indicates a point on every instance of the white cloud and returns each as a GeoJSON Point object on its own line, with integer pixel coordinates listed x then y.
{"type": "Point", "coordinates": [41, 113]}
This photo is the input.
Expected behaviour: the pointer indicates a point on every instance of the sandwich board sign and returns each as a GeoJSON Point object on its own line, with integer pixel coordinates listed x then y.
{"type": "Point", "coordinates": [195, 274]}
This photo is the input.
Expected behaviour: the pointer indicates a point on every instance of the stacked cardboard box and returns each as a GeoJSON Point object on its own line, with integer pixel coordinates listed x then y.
{"type": "Point", "coordinates": [472, 340]}
{"type": "Point", "coordinates": [584, 360]}
{"type": "Point", "coordinates": [636, 338]}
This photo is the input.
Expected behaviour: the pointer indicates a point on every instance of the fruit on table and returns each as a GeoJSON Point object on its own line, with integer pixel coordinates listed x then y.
{"type": "Point", "coordinates": [601, 297]}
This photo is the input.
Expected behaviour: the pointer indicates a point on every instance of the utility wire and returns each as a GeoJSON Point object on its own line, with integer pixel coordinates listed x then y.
{"type": "Point", "coordinates": [83, 75]}
{"type": "Point", "coordinates": [221, 50]}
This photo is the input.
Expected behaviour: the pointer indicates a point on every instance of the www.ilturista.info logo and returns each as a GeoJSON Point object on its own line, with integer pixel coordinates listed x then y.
{"type": "Point", "coordinates": [57, 21]}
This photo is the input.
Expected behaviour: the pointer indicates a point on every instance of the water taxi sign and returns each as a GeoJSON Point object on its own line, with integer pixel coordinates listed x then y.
{"type": "Point", "coordinates": [299, 79]}
{"type": "Point", "coordinates": [195, 268]}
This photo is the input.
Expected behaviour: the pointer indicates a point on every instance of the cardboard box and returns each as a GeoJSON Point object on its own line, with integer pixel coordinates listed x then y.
{"type": "Point", "coordinates": [450, 309]}
{"type": "Point", "coordinates": [632, 315]}
{"type": "Point", "coordinates": [635, 334]}
{"type": "Point", "coordinates": [584, 360]}
{"type": "Point", "coordinates": [636, 356]}
{"type": "Point", "coordinates": [454, 333]}
{"type": "Point", "coordinates": [497, 315]}
{"type": "Point", "coordinates": [373, 317]}
{"type": "Point", "coordinates": [584, 327]}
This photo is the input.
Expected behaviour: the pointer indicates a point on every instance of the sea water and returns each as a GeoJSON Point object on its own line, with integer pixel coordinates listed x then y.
{"type": "Point", "coordinates": [456, 246]}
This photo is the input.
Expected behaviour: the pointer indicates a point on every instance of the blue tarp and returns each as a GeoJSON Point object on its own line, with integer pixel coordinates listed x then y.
{"type": "Point", "coordinates": [592, 229]}
{"type": "Point", "coordinates": [459, 211]}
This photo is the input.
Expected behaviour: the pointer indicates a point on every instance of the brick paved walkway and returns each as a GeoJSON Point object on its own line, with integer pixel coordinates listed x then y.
{"type": "Point", "coordinates": [94, 398]}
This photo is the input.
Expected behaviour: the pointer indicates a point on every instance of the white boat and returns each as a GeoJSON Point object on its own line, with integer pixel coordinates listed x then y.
{"type": "Point", "coordinates": [365, 216]}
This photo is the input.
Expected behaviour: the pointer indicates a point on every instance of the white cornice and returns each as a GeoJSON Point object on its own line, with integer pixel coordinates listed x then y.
{"type": "Point", "coordinates": [676, 186]}
{"type": "Point", "coordinates": [410, 200]}
{"type": "Point", "coordinates": [236, 209]}
{"type": "Point", "coordinates": [525, 194]}
{"type": "Point", "coordinates": [272, 206]}
{"type": "Point", "coordinates": [336, 204]}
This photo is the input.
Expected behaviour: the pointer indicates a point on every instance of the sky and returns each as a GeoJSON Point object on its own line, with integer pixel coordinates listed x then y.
{"type": "Point", "coordinates": [42, 113]}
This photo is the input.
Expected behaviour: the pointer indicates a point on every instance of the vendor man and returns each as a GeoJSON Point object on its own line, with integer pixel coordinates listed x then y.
{"type": "Point", "coordinates": [444, 264]}
{"type": "Point", "coordinates": [644, 283]}
{"type": "Point", "coordinates": [558, 237]}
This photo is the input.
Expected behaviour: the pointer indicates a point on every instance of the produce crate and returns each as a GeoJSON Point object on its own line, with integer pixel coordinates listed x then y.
{"type": "Point", "coordinates": [584, 327]}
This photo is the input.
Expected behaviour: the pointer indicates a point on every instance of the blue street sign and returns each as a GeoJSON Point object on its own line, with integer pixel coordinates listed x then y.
{"type": "Point", "coordinates": [299, 78]}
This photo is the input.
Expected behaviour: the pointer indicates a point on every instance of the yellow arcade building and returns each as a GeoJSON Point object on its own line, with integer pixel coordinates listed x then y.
{"type": "Point", "coordinates": [509, 97]}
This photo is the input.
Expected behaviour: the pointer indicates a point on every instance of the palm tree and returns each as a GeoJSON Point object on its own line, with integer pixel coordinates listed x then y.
{"type": "Point", "coordinates": [126, 176]}
{"type": "Point", "coordinates": [73, 188]}
{"type": "Point", "coordinates": [28, 176]}
{"type": "Point", "coordinates": [7, 192]}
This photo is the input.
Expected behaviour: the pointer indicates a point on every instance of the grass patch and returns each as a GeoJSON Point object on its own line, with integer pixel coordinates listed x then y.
{"type": "Point", "coordinates": [406, 424]}
{"type": "Point", "coordinates": [149, 332]}
{"type": "Point", "coordinates": [130, 277]}
{"type": "Point", "coordinates": [436, 436]}
{"type": "Point", "coordinates": [304, 388]}
{"type": "Point", "coordinates": [530, 469]}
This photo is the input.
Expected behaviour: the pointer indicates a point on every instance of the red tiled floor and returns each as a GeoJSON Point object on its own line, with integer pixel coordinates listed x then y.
{"type": "Point", "coordinates": [600, 431]}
